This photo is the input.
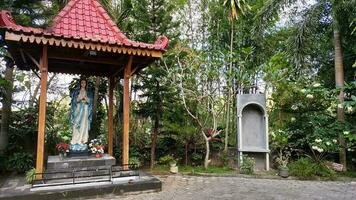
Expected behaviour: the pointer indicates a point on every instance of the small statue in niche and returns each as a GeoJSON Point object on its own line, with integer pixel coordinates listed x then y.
{"type": "Point", "coordinates": [81, 116]}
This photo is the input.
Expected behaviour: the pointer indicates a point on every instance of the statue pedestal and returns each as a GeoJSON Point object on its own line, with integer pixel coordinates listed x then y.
{"type": "Point", "coordinates": [78, 150]}
{"type": "Point", "coordinates": [73, 154]}
{"type": "Point", "coordinates": [87, 165]}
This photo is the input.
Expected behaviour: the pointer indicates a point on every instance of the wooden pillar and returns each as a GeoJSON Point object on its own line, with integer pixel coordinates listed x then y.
{"type": "Point", "coordinates": [126, 112]}
{"type": "Point", "coordinates": [42, 112]}
{"type": "Point", "coordinates": [110, 117]}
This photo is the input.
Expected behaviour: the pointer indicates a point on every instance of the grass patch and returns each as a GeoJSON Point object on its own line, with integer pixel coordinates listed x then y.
{"type": "Point", "coordinates": [308, 169]}
{"type": "Point", "coordinates": [350, 174]}
{"type": "Point", "coordinates": [210, 169]}
{"type": "Point", "coordinates": [162, 169]}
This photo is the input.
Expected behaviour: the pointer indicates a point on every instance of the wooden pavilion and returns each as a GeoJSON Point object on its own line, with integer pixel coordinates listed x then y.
{"type": "Point", "coordinates": [83, 40]}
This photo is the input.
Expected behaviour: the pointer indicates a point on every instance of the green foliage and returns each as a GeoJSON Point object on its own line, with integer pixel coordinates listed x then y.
{"type": "Point", "coordinates": [224, 158]}
{"type": "Point", "coordinates": [165, 160]}
{"type": "Point", "coordinates": [30, 175]}
{"type": "Point", "coordinates": [305, 168]}
{"type": "Point", "coordinates": [21, 162]}
{"type": "Point", "coordinates": [248, 165]}
{"type": "Point", "coordinates": [210, 169]}
{"type": "Point", "coordinates": [302, 168]}
{"type": "Point", "coordinates": [351, 174]}
{"type": "Point", "coordinates": [283, 158]}
{"type": "Point", "coordinates": [308, 122]}
{"type": "Point", "coordinates": [195, 169]}
{"type": "Point", "coordinates": [62, 119]}
{"type": "Point", "coordinates": [30, 13]}
{"type": "Point", "coordinates": [196, 158]}
{"type": "Point", "coordinates": [135, 161]}
{"type": "Point", "coordinates": [23, 130]}
{"type": "Point", "coordinates": [286, 57]}
{"type": "Point", "coordinates": [4, 84]}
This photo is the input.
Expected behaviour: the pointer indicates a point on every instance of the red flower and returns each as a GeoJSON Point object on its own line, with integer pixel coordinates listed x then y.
{"type": "Point", "coordinates": [62, 147]}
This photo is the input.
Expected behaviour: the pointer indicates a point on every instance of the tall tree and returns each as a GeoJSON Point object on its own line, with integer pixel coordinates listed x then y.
{"type": "Point", "coordinates": [151, 19]}
{"type": "Point", "coordinates": [29, 13]}
{"type": "Point", "coordinates": [6, 103]}
{"type": "Point", "coordinates": [236, 8]}
{"type": "Point", "coordinates": [335, 10]}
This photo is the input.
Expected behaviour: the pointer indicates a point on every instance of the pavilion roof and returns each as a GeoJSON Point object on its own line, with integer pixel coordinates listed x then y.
{"type": "Point", "coordinates": [84, 23]}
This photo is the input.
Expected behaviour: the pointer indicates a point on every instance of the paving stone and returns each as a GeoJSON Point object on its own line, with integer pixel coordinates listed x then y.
{"type": "Point", "coordinates": [178, 187]}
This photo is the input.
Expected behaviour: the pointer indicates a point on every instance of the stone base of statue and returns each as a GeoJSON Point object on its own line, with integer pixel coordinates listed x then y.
{"type": "Point", "coordinates": [82, 166]}
{"type": "Point", "coordinates": [76, 150]}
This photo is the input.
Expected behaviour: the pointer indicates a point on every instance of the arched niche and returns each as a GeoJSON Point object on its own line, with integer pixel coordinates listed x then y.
{"type": "Point", "coordinates": [253, 127]}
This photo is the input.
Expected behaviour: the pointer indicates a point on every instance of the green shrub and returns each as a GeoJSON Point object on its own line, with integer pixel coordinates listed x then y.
{"type": "Point", "coordinates": [20, 162]}
{"type": "Point", "coordinates": [224, 159]}
{"type": "Point", "coordinates": [165, 160]}
{"type": "Point", "coordinates": [302, 168]}
{"type": "Point", "coordinates": [135, 161]}
{"type": "Point", "coordinates": [323, 171]}
{"type": "Point", "coordinates": [30, 175]}
{"type": "Point", "coordinates": [306, 168]}
{"type": "Point", "coordinates": [247, 165]}
{"type": "Point", "coordinates": [196, 158]}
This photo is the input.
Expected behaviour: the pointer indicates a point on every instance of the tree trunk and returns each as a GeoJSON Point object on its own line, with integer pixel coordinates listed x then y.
{"type": "Point", "coordinates": [186, 153]}
{"type": "Point", "coordinates": [154, 143]}
{"type": "Point", "coordinates": [190, 24]}
{"type": "Point", "coordinates": [33, 98]}
{"type": "Point", "coordinates": [207, 153]}
{"type": "Point", "coordinates": [6, 108]}
{"type": "Point", "coordinates": [229, 90]}
{"type": "Point", "coordinates": [155, 130]}
{"type": "Point", "coordinates": [339, 82]}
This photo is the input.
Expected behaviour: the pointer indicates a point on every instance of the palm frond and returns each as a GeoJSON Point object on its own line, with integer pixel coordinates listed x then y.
{"type": "Point", "coordinates": [236, 8]}
{"type": "Point", "coordinates": [269, 12]}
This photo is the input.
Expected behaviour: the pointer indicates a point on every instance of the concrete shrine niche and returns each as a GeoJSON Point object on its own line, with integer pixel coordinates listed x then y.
{"type": "Point", "coordinates": [253, 127]}
{"type": "Point", "coordinates": [252, 134]}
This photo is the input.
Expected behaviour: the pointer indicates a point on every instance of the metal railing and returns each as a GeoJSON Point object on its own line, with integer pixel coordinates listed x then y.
{"type": "Point", "coordinates": [71, 177]}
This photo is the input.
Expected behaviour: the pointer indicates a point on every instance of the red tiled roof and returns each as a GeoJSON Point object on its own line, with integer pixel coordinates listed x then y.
{"type": "Point", "coordinates": [85, 20]}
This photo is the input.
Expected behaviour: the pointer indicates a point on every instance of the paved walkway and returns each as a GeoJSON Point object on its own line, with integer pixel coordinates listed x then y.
{"type": "Point", "coordinates": [194, 187]}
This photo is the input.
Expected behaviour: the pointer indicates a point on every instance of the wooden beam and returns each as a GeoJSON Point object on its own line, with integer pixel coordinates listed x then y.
{"type": "Point", "coordinates": [85, 59]}
{"type": "Point", "coordinates": [42, 113]}
{"type": "Point", "coordinates": [156, 54]}
{"type": "Point", "coordinates": [33, 60]}
{"type": "Point", "coordinates": [110, 117]}
{"type": "Point", "coordinates": [117, 72]}
{"type": "Point", "coordinates": [126, 125]}
{"type": "Point", "coordinates": [134, 70]}
{"type": "Point", "coordinates": [88, 69]}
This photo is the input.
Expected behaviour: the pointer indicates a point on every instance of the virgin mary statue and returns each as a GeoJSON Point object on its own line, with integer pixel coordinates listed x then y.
{"type": "Point", "coordinates": [80, 116]}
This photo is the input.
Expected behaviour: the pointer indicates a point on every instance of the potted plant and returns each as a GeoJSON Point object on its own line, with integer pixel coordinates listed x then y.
{"type": "Point", "coordinates": [173, 163]}
{"type": "Point", "coordinates": [62, 149]}
{"type": "Point", "coordinates": [173, 166]}
{"type": "Point", "coordinates": [96, 147]}
{"type": "Point", "coordinates": [282, 161]}
{"type": "Point", "coordinates": [169, 160]}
